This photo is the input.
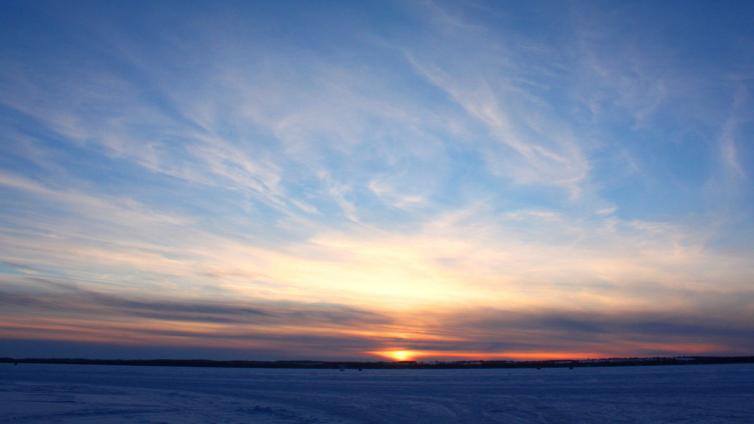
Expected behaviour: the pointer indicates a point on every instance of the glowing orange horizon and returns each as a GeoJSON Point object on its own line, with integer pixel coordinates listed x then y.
{"type": "Point", "coordinates": [412, 355]}
{"type": "Point", "coordinates": [182, 334]}
{"type": "Point", "coordinates": [398, 354]}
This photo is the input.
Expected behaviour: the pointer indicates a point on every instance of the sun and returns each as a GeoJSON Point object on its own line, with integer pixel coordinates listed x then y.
{"type": "Point", "coordinates": [398, 355]}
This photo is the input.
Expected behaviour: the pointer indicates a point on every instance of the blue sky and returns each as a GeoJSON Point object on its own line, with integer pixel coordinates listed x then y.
{"type": "Point", "coordinates": [569, 178]}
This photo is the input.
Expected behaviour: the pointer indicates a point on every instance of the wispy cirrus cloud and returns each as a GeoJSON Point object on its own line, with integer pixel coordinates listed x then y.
{"type": "Point", "coordinates": [505, 108]}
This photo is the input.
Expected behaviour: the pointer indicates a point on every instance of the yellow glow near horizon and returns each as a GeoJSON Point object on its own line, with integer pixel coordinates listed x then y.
{"type": "Point", "coordinates": [398, 355]}
{"type": "Point", "coordinates": [412, 355]}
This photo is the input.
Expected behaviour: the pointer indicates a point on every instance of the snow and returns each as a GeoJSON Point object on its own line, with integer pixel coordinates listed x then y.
{"type": "Point", "coordinates": [111, 394]}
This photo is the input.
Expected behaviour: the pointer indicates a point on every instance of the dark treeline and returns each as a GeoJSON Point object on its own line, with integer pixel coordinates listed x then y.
{"type": "Point", "coordinates": [685, 360]}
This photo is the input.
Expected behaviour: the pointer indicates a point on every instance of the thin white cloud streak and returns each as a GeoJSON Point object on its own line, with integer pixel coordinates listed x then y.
{"type": "Point", "coordinates": [728, 144]}
{"type": "Point", "coordinates": [529, 142]}
{"type": "Point", "coordinates": [625, 83]}
{"type": "Point", "coordinates": [559, 164]}
{"type": "Point", "coordinates": [92, 206]}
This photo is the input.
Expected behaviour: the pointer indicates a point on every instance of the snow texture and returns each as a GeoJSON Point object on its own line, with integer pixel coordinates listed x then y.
{"type": "Point", "coordinates": [112, 394]}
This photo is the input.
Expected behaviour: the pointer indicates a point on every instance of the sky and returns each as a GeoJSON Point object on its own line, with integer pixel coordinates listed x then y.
{"type": "Point", "coordinates": [410, 180]}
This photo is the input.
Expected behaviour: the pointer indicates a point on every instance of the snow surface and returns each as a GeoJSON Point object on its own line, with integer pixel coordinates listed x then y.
{"type": "Point", "coordinates": [111, 394]}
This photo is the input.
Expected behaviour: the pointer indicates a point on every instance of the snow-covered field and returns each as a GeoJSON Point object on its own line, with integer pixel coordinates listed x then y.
{"type": "Point", "coordinates": [106, 394]}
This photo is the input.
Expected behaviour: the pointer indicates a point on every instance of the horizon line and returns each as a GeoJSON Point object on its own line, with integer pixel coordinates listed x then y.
{"type": "Point", "coordinates": [325, 364]}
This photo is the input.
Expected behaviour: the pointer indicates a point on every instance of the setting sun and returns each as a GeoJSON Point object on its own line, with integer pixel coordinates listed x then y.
{"type": "Point", "coordinates": [398, 355]}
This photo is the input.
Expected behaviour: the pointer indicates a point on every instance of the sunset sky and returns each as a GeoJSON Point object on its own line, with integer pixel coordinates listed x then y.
{"type": "Point", "coordinates": [376, 180]}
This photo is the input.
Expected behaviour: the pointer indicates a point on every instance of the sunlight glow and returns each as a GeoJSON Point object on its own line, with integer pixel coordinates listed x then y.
{"type": "Point", "coordinates": [398, 355]}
